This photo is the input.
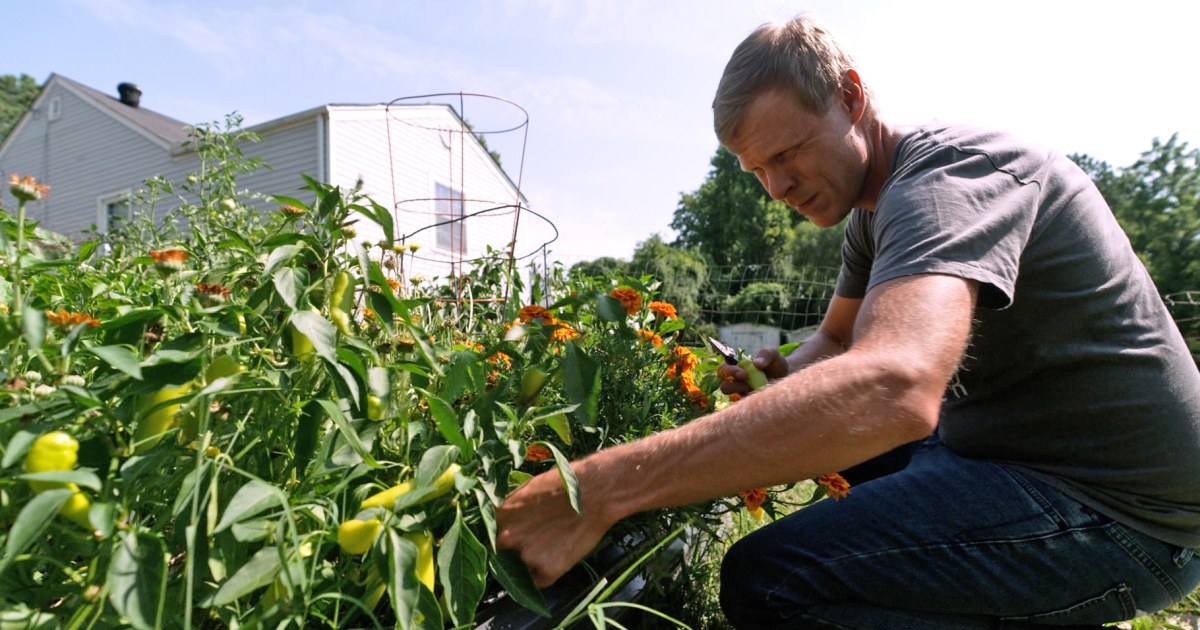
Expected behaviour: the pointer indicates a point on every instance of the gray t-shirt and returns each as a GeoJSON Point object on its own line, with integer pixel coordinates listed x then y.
{"type": "Point", "coordinates": [1075, 372]}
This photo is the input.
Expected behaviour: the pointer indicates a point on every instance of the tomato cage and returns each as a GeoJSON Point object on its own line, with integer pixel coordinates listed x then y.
{"type": "Point", "coordinates": [454, 204]}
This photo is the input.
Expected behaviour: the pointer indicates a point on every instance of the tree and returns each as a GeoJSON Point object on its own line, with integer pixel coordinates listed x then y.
{"type": "Point", "coordinates": [17, 93]}
{"type": "Point", "coordinates": [732, 220]}
{"type": "Point", "coordinates": [1157, 202]}
{"type": "Point", "coordinates": [682, 273]}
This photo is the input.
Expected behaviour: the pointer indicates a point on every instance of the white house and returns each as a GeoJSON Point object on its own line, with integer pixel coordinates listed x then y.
{"type": "Point", "coordinates": [420, 160]}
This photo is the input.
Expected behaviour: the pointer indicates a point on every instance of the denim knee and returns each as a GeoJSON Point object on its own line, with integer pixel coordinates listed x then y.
{"type": "Point", "coordinates": [747, 584]}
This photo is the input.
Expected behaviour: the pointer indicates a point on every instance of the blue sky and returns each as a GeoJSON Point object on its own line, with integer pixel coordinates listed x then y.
{"type": "Point", "coordinates": [618, 91]}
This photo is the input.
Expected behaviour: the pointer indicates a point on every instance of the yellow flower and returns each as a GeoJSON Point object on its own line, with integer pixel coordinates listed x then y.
{"type": "Point", "coordinates": [26, 188]}
{"type": "Point", "coordinates": [666, 309]}
{"type": "Point", "coordinates": [292, 211]}
{"type": "Point", "coordinates": [754, 498]}
{"type": "Point", "coordinates": [628, 297]}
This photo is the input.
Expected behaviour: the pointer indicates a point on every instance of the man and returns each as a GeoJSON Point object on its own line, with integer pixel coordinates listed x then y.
{"type": "Point", "coordinates": [986, 294]}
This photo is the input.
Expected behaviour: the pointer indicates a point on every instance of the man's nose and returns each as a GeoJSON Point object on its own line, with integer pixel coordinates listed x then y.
{"type": "Point", "coordinates": [778, 185]}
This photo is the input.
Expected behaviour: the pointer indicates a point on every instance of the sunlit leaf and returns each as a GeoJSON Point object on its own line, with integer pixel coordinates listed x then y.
{"type": "Point", "coordinates": [462, 570]}
{"type": "Point", "coordinates": [252, 498]}
{"type": "Point", "coordinates": [33, 518]}
{"type": "Point", "coordinates": [121, 358]}
{"type": "Point", "coordinates": [136, 578]}
{"type": "Point", "coordinates": [259, 571]}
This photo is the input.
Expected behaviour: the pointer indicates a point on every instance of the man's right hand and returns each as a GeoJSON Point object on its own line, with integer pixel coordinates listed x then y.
{"type": "Point", "coordinates": [735, 379]}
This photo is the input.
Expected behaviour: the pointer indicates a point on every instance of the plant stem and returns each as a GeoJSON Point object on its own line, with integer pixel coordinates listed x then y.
{"type": "Point", "coordinates": [16, 262]}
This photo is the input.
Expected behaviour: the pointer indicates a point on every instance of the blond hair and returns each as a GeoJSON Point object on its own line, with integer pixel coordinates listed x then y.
{"type": "Point", "coordinates": [799, 56]}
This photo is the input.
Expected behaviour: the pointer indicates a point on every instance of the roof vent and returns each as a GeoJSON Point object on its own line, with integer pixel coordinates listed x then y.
{"type": "Point", "coordinates": [131, 94]}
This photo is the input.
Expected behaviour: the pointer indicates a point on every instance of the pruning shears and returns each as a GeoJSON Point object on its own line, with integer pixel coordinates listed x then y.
{"type": "Point", "coordinates": [731, 355]}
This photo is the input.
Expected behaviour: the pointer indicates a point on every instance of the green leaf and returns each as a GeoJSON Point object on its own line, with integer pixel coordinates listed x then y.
{"type": "Point", "coordinates": [610, 309]}
{"type": "Point", "coordinates": [136, 579]}
{"type": "Point", "coordinates": [290, 284]}
{"type": "Point", "coordinates": [121, 358]}
{"type": "Point", "coordinates": [447, 421]}
{"type": "Point", "coordinates": [34, 518]}
{"type": "Point", "coordinates": [514, 576]}
{"type": "Point", "coordinates": [81, 477]}
{"type": "Point", "coordinates": [670, 326]}
{"type": "Point", "coordinates": [402, 585]}
{"type": "Point", "coordinates": [22, 617]}
{"type": "Point", "coordinates": [319, 331]}
{"type": "Point", "coordinates": [251, 499]}
{"type": "Point", "coordinates": [561, 426]}
{"type": "Point", "coordinates": [581, 382]}
{"type": "Point", "coordinates": [258, 572]}
{"type": "Point", "coordinates": [348, 432]}
{"type": "Point", "coordinates": [305, 441]}
{"type": "Point", "coordinates": [280, 256]}
{"type": "Point", "coordinates": [462, 570]}
{"type": "Point", "coordinates": [567, 474]}
{"type": "Point", "coordinates": [33, 324]}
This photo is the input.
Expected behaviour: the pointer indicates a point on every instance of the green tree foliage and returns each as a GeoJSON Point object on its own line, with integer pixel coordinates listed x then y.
{"type": "Point", "coordinates": [17, 93]}
{"type": "Point", "coordinates": [682, 272]}
{"type": "Point", "coordinates": [732, 220]}
{"type": "Point", "coordinates": [1157, 202]}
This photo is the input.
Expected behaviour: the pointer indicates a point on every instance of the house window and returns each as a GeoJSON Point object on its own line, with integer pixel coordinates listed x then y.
{"type": "Point", "coordinates": [54, 109]}
{"type": "Point", "coordinates": [114, 209]}
{"type": "Point", "coordinates": [448, 210]}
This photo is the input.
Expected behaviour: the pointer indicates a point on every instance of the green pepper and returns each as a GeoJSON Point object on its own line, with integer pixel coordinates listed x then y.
{"type": "Point", "coordinates": [222, 367]}
{"type": "Point", "coordinates": [341, 301]}
{"type": "Point", "coordinates": [532, 381]}
{"type": "Point", "coordinates": [754, 376]}
{"type": "Point", "coordinates": [374, 407]}
{"type": "Point", "coordinates": [356, 536]}
{"type": "Point", "coordinates": [302, 346]}
{"type": "Point", "coordinates": [387, 498]}
{"type": "Point", "coordinates": [155, 417]}
{"type": "Point", "coordinates": [58, 451]}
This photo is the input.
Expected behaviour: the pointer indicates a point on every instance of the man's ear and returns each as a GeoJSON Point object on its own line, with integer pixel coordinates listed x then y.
{"type": "Point", "coordinates": [854, 95]}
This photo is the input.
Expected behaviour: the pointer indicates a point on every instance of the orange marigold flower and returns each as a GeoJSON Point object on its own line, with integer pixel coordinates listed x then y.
{"type": "Point", "coordinates": [649, 335]}
{"type": "Point", "coordinates": [501, 360]}
{"type": "Point", "coordinates": [64, 318]}
{"type": "Point", "coordinates": [532, 312]}
{"type": "Point", "coordinates": [563, 333]}
{"type": "Point", "coordinates": [837, 485]}
{"type": "Point", "coordinates": [754, 498]}
{"type": "Point", "coordinates": [212, 294]}
{"type": "Point", "coordinates": [292, 211]}
{"type": "Point", "coordinates": [368, 313]}
{"type": "Point", "coordinates": [26, 188]}
{"type": "Point", "coordinates": [734, 397]}
{"type": "Point", "coordinates": [537, 453]}
{"type": "Point", "coordinates": [394, 284]}
{"type": "Point", "coordinates": [683, 360]}
{"type": "Point", "coordinates": [666, 309]}
{"type": "Point", "coordinates": [628, 297]}
{"type": "Point", "coordinates": [169, 260]}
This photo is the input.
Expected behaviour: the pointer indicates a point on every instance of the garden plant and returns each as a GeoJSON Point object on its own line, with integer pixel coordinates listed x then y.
{"type": "Point", "coordinates": [214, 416]}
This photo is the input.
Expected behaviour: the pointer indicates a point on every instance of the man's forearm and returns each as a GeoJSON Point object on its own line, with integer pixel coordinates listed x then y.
{"type": "Point", "coordinates": [820, 346]}
{"type": "Point", "coordinates": [830, 416]}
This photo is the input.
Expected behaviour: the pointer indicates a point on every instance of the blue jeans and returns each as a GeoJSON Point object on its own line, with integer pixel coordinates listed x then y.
{"type": "Point", "coordinates": [949, 542]}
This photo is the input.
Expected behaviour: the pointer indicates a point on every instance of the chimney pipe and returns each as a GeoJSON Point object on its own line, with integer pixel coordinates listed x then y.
{"type": "Point", "coordinates": [131, 94]}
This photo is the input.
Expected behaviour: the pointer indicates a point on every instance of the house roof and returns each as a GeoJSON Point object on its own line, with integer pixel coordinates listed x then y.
{"type": "Point", "coordinates": [166, 129]}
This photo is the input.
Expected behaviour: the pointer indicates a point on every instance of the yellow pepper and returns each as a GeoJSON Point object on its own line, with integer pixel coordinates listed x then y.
{"type": "Point", "coordinates": [222, 367]}
{"type": "Point", "coordinates": [341, 301]}
{"type": "Point", "coordinates": [754, 376]}
{"type": "Point", "coordinates": [424, 542]}
{"type": "Point", "coordinates": [356, 536]}
{"type": "Point", "coordinates": [386, 499]}
{"type": "Point", "coordinates": [57, 451]}
{"type": "Point", "coordinates": [152, 421]}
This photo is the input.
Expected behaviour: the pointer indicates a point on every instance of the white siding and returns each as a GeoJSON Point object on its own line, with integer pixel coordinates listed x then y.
{"type": "Point", "coordinates": [402, 160]}
{"type": "Point", "coordinates": [82, 154]}
{"type": "Point", "coordinates": [289, 150]}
